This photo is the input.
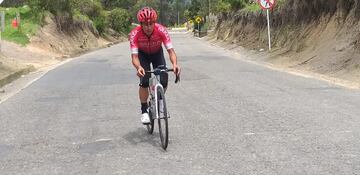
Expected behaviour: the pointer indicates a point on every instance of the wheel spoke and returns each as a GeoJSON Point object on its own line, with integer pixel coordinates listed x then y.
{"type": "Point", "coordinates": [163, 120]}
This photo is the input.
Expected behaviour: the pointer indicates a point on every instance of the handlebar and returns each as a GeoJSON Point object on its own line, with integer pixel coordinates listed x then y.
{"type": "Point", "coordinates": [159, 71]}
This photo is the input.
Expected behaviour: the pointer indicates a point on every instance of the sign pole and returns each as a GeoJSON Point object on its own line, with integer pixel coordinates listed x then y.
{"type": "Point", "coordinates": [198, 20]}
{"type": "Point", "coordinates": [266, 5]}
{"type": "Point", "coordinates": [199, 29]}
{"type": "Point", "coordinates": [268, 23]}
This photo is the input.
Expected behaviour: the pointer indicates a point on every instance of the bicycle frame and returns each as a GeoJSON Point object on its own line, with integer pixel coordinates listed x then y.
{"type": "Point", "coordinates": [153, 87]}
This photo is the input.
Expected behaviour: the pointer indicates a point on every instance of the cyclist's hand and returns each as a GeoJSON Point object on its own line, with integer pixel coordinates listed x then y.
{"type": "Point", "coordinates": [140, 72]}
{"type": "Point", "coordinates": [177, 69]}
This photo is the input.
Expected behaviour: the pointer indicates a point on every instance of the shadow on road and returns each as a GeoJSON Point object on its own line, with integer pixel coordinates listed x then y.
{"type": "Point", "coordinates": [142, 136]}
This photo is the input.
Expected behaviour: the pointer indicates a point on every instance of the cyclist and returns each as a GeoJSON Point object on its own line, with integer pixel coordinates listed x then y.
{"type": "Point", "coordinates": [146, 48]}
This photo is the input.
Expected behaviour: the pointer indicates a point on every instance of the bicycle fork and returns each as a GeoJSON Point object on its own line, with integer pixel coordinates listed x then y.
{"type": "Point", "coordinates": [155, 101]}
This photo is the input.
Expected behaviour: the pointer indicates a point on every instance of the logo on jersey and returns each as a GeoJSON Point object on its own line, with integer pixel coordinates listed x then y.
{"type": "Point", "coordinates": [132, 36]}
{"type": "Point", "coordinates": [163, 31]}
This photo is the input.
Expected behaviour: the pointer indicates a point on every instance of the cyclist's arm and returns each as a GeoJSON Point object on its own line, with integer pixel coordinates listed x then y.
{"type": "Point", "coordinates": [172, 56]}
{"type": "Point", "coordinates": [135, 61]}
{"type": "Point", "coordinates": [133, 38]}
{"type": "Point", "coordinates": [173, 59]}
{"type": "Point", "coordinates": [169, 47]}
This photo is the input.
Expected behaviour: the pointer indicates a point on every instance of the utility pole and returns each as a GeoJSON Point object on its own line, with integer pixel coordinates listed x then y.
{"type": "Point", "coordinates": [161, 12]}
{"type": "Point", "coordinates": [209, 15]}
{"type": "Point", "coordinates": [209, 7]}
{"type": "Point", "coordinates": [178, 12]}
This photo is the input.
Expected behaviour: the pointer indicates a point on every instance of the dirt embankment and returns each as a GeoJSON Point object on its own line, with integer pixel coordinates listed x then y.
{"type": "Point", "coordinates": [319, 36]}
{"type": "Point", "coordinates": [65, 37]}
{"type": "Point", "coordinates": [57, 40]}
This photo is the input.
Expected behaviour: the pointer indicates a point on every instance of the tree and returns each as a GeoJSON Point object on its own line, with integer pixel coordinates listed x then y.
{"type": "Point", "coordinates": [221, 6]}
{"type": "Point", "coordinates": [13, 3]}
{"type": "Point", "coordinates": [194, 9]}
{"type": "Point", "coordinates": [237, 4]}
{"type": "Point", "coordinates": [124, 4]}
{"type": "Point", "coordinates": [143, 3]}
{"type": "Point", "coordinates": [204, 7]}
{"type": "Point", "coordinates": [120, 20]}
{"type": "Point", "coordinates": [92, 8]}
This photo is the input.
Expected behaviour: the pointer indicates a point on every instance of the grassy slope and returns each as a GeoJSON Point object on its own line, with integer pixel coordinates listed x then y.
{"type": "Point", "coordinates": [29, 25]}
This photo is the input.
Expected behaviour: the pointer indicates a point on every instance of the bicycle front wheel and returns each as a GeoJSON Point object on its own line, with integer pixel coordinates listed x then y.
{"type": "Point", "coordinates": [150, 126]}
{"type": "Point", "coordinates": [163, 118]}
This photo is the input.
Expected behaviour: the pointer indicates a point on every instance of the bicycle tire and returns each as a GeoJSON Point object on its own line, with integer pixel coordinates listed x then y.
{"type": "Point", "coordinates": [150, 127]}
{"type": "Point", "coordinates": [163, 120]}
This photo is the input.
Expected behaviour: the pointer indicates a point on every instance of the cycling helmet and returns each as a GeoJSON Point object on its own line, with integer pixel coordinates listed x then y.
{"type": "Point", "coordinates": [147, 14]}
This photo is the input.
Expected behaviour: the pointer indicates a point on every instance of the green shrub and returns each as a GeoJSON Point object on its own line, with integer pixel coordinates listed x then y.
{"type": "Point", "coordinates": [100, 22]}
{"type": "Point", "coordinates": [13, 3]}
{"type": "Point", "coordinates": [254, 7]}
{"type": "Point", "coordinates": [120, 20]}
{"type": "Point", "coordinates": [111, 4]}
{"type": "Point", "coordinates": [237, 4]}
{"type": "Point", "coordinates": [65, 11]}
{"type": "Point", "coordinates": [50, 5]}
{"type": "Point", "coordinates": [29, 25]}
{"type": "Point", "coordinates": [91, 8]}
{"type": "Point", "coordinates": [222, 7]}
{"type": "Point", "coordinates": [39, 8]}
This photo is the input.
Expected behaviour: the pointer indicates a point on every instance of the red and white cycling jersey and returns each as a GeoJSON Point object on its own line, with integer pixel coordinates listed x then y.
{"type": "Point", "coordinates": [150, 45]}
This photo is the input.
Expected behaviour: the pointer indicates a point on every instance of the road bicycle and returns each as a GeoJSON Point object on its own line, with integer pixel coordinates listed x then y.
{"type": "Point", "coordinates": [157, 104]}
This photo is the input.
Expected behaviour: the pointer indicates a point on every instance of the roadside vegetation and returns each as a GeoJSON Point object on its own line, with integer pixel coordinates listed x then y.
{"type": "Point", "coordinates": [104, 15]}
{"type": "Point", "coordinates": [21, 34]}
{"type": "Point", "coordinates": [67, 13]}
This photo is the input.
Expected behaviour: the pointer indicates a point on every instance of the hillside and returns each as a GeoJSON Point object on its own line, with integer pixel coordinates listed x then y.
{"type": "Point", "coordinates": [46, 38]}
{"type": "Point", "coordinates": [315, 36]}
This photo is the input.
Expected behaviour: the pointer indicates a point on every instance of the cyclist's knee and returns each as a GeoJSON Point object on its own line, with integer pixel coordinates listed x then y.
{"type": "Point", "coordinates": [144, 82]}
{"type": "Point", "coordinates": [164, 80]}
{"type": "Point", "coordinates": [144, 85]}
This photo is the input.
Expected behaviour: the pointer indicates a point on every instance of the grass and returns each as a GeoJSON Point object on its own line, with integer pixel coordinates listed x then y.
{"type": "Point", "coordinates": [280, 3]}
{"type": "Point", "coordinates": [29, 25]}
{"type": "Point", "coordinates": [253, 7]}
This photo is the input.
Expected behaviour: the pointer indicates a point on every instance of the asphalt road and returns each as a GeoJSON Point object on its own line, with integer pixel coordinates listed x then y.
{"type": "Point", "coordinates": [228, 116]}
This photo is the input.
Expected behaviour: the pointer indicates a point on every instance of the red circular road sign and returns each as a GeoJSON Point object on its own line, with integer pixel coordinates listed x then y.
{"type": "Point", "coordinates": [15, 23]}
{"type": "Point", "coordinates": [266, 4]}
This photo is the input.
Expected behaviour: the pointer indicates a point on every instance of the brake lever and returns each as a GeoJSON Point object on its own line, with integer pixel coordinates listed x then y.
{"type": "Point", "coordinates": [177, 79]}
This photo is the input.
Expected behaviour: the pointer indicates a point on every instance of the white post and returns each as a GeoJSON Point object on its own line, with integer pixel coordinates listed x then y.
{"type": "Point", "coordinates": [268, 22]}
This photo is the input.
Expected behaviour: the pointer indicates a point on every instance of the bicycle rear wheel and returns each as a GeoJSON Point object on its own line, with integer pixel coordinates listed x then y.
{"type": "Point", "coordinates": [150, 127]}
{"type": "Point", "coordinates": [163, 119]}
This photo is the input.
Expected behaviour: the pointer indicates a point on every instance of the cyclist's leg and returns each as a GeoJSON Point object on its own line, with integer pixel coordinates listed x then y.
{"type": "Point", "coordinates": [144, 82]}
{"type": "Point", "coordinates": [159, 59]}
